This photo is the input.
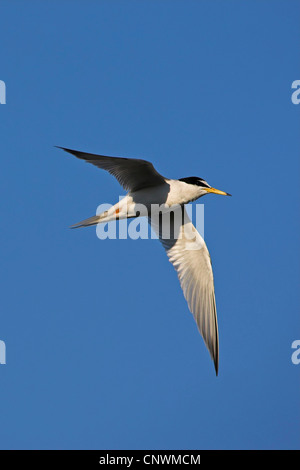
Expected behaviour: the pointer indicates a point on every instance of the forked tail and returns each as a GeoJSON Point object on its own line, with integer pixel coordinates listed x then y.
{"type": "Point", "coordinates": [96, 219]}
{"type": "Point", "coordinates": [121, 210]}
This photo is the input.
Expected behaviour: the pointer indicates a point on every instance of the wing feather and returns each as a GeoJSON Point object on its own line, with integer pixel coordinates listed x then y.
{"type": "Point", "coordinates": [133, 174]}
{"type": "Point", "coordinates": [189, 255]}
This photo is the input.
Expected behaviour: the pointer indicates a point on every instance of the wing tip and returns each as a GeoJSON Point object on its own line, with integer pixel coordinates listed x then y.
{"type": "Point", "coordinates": [216, 362]}
{"type": "Point", "coordinates": [66, 150]}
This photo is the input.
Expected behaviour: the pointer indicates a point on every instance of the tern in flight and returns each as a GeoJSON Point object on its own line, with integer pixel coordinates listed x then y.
{"type": "Point", "coordinates": [185, 247]}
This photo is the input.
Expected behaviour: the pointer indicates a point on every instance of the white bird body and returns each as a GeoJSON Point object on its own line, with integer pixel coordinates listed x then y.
{"type": "Point", "coordinates": [177, 192]}
{"type": "Point", "coordinates": [150, 194]}
{"type": "Point", "coordinates": [164, 197]}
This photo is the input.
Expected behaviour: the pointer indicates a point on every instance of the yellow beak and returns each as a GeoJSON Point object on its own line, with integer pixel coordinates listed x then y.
{"type": "Point", "coordinates": [216, 191]}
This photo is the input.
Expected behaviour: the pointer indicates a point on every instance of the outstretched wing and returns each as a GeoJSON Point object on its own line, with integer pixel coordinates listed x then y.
{"type": "Point", "coordinates": [189, 255]}
{"type": "Point", "coordinates": [133, 174]}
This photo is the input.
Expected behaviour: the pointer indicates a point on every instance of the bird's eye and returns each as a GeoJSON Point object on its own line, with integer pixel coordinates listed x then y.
{"type": "Point", "coordinates": [203, 183]}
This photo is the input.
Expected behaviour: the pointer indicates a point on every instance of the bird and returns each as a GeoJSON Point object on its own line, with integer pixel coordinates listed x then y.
{"type": "Point", "coordinates": [184, 246]}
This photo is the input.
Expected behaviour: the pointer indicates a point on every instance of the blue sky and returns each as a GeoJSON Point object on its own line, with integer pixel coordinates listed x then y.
{"type": "Point", "coordinates": [102, 352]}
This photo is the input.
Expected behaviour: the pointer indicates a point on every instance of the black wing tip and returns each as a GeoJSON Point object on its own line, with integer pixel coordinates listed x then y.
{"type": "Point", "coordinates": [78, 153]}
{"type": "Point", "coordinates": [216, 360]}
{"type": "Point", "coordinates": [89, 157]}
{"type": "Point", "coordinates": [67, 150]}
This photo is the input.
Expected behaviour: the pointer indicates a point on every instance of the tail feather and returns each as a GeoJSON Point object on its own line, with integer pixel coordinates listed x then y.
{"type": "Point", "coordinates": [88, 222]}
